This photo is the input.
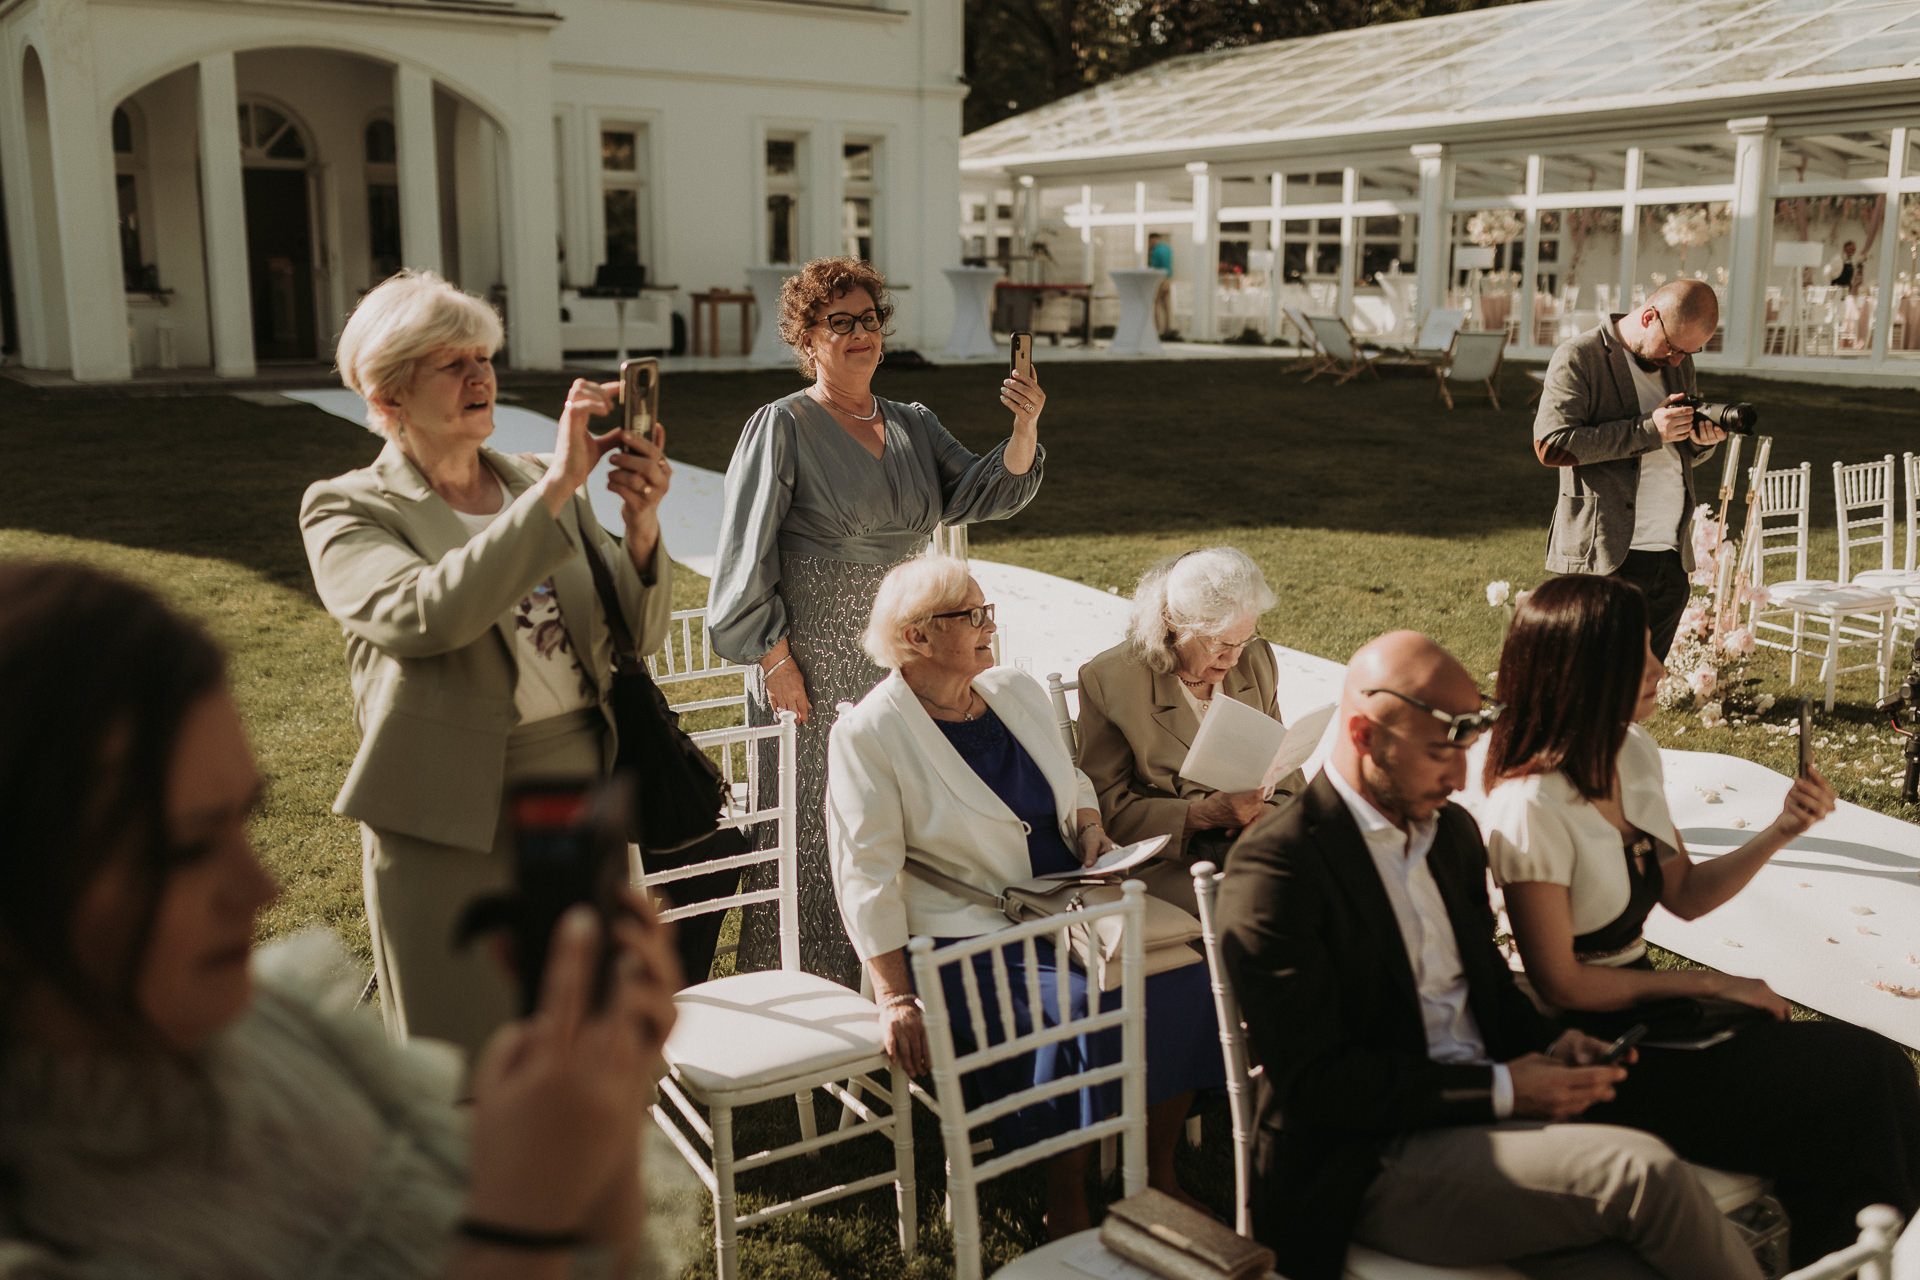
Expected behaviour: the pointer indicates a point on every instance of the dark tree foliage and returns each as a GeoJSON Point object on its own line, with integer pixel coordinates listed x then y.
{"type": "Point", "coordinates": [1022, 54]}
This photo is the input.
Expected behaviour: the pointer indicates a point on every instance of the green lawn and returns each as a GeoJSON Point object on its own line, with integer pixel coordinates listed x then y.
{"type": "Point", "coordinates": [1370, 506]}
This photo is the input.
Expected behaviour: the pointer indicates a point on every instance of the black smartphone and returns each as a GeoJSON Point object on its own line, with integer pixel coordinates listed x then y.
{"type": "Point", "coordinates": [1022, 361]}
{"type": "Point", "coordinates": [640, 397]}
{"type": "Point", "coordinates": [569, 847]}
{"type": "Point", "coordinates": [1806, 737]}
{"type": "Point", "coordinates": [1619, 1049]}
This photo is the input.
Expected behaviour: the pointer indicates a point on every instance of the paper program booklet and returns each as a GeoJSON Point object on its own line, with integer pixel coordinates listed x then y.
{"type": "Point", "coordinates": [1241, 749]}
{"type": "Point", "coordinates": [1121, 858]}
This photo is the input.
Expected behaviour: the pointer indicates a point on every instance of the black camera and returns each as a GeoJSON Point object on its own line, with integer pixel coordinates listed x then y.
{"type": "Point", "coordinates": [570, 847]}
{"type": "Point", "coordinates": [1734, 419]}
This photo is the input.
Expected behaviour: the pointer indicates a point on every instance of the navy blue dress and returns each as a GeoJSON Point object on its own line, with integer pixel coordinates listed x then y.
{"type": "Point", "coordinates": [1183, 1038]}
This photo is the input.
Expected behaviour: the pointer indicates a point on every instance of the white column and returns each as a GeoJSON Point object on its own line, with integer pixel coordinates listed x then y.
{"type": "Point", "coordinates": [1349, 243]}
{"type": "Point", "coordinates": [528, 229]}
{"type": "Point", "coordinates": [83, 189]}
{"type": "Point", "coordinates": [1530, 267]}
{"type": "Point", "coordinates": [419, 167]}
{"type": "Point", "coordinates": [223, 220]}
{"type": "Point", "coordinates": [1889, 242]}
{"type": "Point", "coordinates": [1206, 249]}
{"type": "Point", "coordinates": [1746, 267]}
{"type": "Point", "coordinates": [1139, 224]}
{"type": "Point", "coordinates": [1436, 190]}
{"type": "Point", "coordinates": [1030, 196]}
{"type": "Point", "coordinates": [1630, 232]}
{"type": "Point", "coordinates": [1086, 235]}
{"type": "Point", "coordinates": [17, 175]}
{"type": "Point", "coordinates": [1277, 243]}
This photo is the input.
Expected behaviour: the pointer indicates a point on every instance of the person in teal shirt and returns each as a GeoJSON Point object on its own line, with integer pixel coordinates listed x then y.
{"type": "Point", "coordinates": [1160, 258]}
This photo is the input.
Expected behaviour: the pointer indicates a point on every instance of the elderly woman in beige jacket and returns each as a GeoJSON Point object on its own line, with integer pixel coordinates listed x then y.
{"type": "Point", "coordinates": [1194, 636]}
{"type": "Point", "coordinates": [479, 649]}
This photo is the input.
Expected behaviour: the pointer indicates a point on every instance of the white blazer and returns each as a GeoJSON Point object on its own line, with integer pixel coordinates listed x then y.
{"type": "Point", "coordinates": [896, 785]}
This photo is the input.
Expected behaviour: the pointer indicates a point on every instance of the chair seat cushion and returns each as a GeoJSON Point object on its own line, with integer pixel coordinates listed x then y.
{"type": "Point", "coordinates": [1896, 581]}
{"type": "Point", "coordinates": [1829, 597]}
{"type": "Point", "coordinates": [756, 1029]}
{"type": "Point", "coordinates": [1730, 1190]}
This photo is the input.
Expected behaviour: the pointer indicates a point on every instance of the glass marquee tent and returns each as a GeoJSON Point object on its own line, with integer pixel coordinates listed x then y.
{"type": "Point", "coordinates": [1540, 164]}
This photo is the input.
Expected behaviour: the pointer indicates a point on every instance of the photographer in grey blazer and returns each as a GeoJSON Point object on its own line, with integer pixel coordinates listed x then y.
{"type": "Point", "coordinates": [1611, 420]}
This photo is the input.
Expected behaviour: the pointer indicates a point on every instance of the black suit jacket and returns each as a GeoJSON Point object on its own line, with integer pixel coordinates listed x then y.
{"type": "Point", "coordinates": [1327, 991]}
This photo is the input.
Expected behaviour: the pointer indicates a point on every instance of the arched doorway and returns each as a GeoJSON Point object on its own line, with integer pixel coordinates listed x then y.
{"type": "Point", "coordinates": [278, 157]}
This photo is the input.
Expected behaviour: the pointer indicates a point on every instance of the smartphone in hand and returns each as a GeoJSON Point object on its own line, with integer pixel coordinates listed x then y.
{"type": "Point", "coordinates": [1022, 362]}
{"type": "Point", "coordinates": [640, 397]}
{"type": "Point", "coordinates": [569, 847]}
{"type": "Point", "coordinates": [1614, 1053]}
{"type": "Point", "coordinates": [1806, 737]}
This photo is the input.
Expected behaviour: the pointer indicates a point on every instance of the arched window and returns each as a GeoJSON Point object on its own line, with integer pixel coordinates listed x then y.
{"type": "Point", "coordinates": [270, 138]}
{"type": "Point", "coordinates": [383, 199]}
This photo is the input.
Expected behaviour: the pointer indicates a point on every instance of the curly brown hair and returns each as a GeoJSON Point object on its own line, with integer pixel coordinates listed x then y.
{"type": "Point", "coordinates": [807, 293]}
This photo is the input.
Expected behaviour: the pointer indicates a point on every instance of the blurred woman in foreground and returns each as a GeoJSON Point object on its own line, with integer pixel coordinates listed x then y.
{"type": "Point", "coordinates": [163, 1115]}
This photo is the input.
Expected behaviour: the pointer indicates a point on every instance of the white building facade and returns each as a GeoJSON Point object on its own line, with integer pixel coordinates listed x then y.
{"type": "Point", "coordinates": [214, 183]}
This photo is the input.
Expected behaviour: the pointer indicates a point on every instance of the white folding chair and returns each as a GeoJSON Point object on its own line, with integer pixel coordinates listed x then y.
{"type": "Point", "coordinates": [783, 1033]}
{"type": "Point", "coordinates": [1339, 353]}
{"type": "Point", "coordinates": [1057, 690]}
{"type": "Point", "coordinates": [1814, 618]}
{"type": "Point", "coordinates": [687, 656]}
{"type": "Point", "coordinates": [1871, 1257]}
{"type": "Point", "coordinates": [1475, 356]}
{"type": "Point", "coordinates": [1902, 583]}
{"type": "Point", "coordinates": [1730, 1191]}
{"type": "Point", "coordinates": [958, 1120]}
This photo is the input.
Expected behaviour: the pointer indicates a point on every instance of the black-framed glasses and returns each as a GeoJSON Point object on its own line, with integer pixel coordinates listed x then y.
{"type": "Point", "coordinates": [978, 616]}
{"type": "Point", "coordinates": [1666, 338]}
{"type": "Point", "coordinates": [842, 322]}
{"type": "Point", "coordinates": [1460, 726]}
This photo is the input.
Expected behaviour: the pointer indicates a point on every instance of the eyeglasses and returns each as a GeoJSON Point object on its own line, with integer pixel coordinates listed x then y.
{"type": "Point", "coordinates": [1671, 345]}
{"type": "Point", "coordinates": [842, 322]}
{"type": "Point", "coordinates": [1216, 649]}
{"type": "Point", "coordinates": [1460, 726]}
{"type": "Point", "coordinates": [978, 616]}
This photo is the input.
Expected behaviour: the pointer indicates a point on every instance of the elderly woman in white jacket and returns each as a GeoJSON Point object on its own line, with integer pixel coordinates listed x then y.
{"type": "Point", "coordinates": [957, 764]}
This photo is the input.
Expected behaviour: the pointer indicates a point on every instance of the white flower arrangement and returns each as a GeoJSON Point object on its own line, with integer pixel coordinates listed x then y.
{"type": "Point", "coordinates": [1688, 227]}
{"type": "Point", "coordinates": [1494, 227]}
{"type": "Point", "coordinates": [1910, 219]}
{"type": "Point", "coordinates": [1498, 593]}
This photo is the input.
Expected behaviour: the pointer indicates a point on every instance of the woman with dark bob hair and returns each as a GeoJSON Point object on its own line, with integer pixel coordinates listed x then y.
{"type": "Point", "coordinates": [828, 489]}
{"type": "Point", "coordinates": [1579, 833]}
{"type": "Point", "coordinates": [173, 1105]}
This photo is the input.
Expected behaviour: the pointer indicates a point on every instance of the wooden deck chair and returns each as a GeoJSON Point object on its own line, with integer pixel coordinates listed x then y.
{"type": "Point", "coordinates": [1339, 353]}
{"type": "Point", "coordinates": [1436, 333]}
{"type": "Point", "coordinates": [1474, 357]}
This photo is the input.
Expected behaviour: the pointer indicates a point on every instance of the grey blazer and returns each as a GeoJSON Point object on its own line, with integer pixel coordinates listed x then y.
{"type": "Point", "coordinates": [1590, 427]}
{"type": "Point", "coordinates": [426, 611]}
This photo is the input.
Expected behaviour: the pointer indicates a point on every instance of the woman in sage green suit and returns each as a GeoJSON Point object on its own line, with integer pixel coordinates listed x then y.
{"type": "Point", "coordinates": [477, 645]}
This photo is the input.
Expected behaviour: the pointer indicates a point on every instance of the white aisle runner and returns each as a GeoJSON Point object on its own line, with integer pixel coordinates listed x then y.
{"type": "Point", "coordinates": [1833, 922]}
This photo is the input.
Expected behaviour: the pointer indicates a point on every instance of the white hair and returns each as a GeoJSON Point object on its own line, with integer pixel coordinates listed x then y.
{"type": "Point", "coordinates": [400, 323]}
{"type": "Point", "coordinates": [1200, 593]}
{"type": "Point", "coordinates": [910, 595]}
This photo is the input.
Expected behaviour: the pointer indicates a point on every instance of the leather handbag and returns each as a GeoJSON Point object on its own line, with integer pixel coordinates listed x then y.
{"type": "Point", "coordinates": [1170, 932]}
{"type": "Point", "coordinates": [679, 791]}
{"type": "Point", "coordinates": [1157, 1232]}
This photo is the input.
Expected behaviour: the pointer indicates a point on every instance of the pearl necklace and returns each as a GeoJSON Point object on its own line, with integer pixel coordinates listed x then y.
{"type": "Point", "coordinates": [824, 399]}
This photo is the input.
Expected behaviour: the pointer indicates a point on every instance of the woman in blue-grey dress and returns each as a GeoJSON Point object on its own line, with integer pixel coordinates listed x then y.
{"type": "Point", "coordinates": [828, 489]}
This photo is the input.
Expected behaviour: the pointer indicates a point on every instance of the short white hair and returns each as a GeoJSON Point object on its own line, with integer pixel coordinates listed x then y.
{"type": "Point", "coordinates": [1200, 593]}
{"type": "Point", "coordinates": [403, 320]}
{"type": "Point", "coordinates": [910, 595]}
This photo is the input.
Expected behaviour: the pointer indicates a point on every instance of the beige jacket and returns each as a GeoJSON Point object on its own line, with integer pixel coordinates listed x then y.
{"type": "Point", "coordinates": [1135, 729]}
{"type": "Point", "coordinates": [426, 612]}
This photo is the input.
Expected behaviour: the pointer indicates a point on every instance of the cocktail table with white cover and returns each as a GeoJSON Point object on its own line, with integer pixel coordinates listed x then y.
{"type": "Point", "coordinates": [765, 281]}
{"type": "Point", "coordinates": [972, 311]}
{"type": "Point", "coordinates": [1134, 335]}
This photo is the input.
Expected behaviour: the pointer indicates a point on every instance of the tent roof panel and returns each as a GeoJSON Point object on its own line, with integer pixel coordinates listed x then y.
{"type": "Point", "coordinates": [1552, 53]}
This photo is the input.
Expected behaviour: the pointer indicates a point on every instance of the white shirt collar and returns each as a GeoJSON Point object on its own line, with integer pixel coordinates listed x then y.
{"type": "Point", "coordinates": [1376, 827]}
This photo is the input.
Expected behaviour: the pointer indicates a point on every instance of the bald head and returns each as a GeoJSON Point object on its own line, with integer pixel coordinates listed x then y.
{"type": "Point", "coordinates": [1395, 752]}
{"type": "Point", "coordinates": [1688, 305]}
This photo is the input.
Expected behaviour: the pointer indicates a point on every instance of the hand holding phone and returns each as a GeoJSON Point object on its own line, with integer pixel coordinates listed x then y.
{"type": "Point", "coordinates": [640, 397]}
{"type": "Point", "coordinates": [1616, 1052]}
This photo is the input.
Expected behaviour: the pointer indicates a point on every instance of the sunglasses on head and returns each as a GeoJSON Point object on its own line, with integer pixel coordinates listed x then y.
{"type": "Point", "coordinates": [1460, 726]}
